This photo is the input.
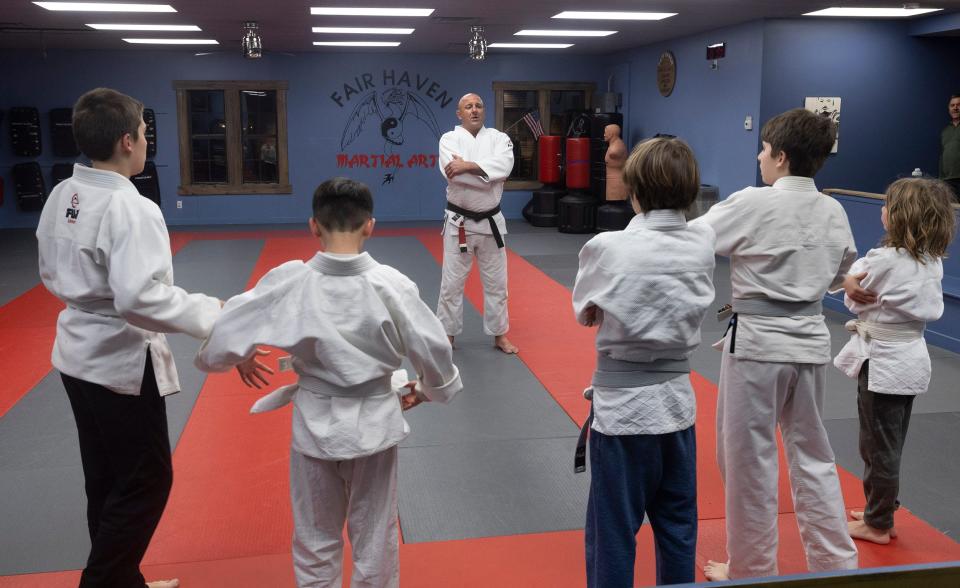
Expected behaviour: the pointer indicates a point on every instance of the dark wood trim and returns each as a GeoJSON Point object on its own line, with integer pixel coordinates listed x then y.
{"type": "Point", "coordinates": [283, 164]}
{"type": "Point", "coordinates": [228, 189]}
{"type": "Point", "coordinates": [183, 130]}
{"type": "Point", "coordinates": [233, 138]}
{"type": "Point", "coordinates": [543, 90]}
{"type": "Point", "coordinates": [231, 85]}
{"type": "Point", "coordinates": [522, 185]}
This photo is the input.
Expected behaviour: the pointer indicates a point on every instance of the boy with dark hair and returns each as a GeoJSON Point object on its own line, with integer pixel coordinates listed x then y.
{"type": "Point", "coordinates": [647, 287]}
{"type": "Point", "coordinates": [104, 251]}
{"type": "Point", "coordinates": [788, 244]}
{"type": "Point", "coordinates": [348, 322]}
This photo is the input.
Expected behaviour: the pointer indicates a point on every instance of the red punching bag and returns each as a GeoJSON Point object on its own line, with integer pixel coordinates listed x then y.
{"type": "Point", "coordinates": [551, 159]}
{"type": "Point", "coordinates": [578, 163]}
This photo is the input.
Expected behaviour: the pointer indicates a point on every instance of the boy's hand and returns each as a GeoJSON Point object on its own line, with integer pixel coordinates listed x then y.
{"type": "Point", "coordinates": [410, 399]}
{"type": "Point", "coordinates": [860, 295]}
{"type": "Point", "coordinates": [591, 316]}
{"type": "Point", "coordinates": [250, 369]}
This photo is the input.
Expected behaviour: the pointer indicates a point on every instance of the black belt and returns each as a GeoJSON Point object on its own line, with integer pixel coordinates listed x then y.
{"type": "Point", "coordinates": [479, 216]}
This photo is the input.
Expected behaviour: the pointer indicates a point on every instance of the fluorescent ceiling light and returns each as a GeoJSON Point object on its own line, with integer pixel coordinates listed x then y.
{"type": "Point", "coordinates": [540, 33]}
{"type": "Point", "coordinates": [362, 30]}
{"type": "Point", "coordinates": [137, 27]}
{"type": "Point", "coordinates": [105, 7]}
{"type": "Point", "coordinates": [531, 45]}
{"type": "Point", "coordinates": [173, 41]}
{"type": "Point", "coordinates": [615, 15]}
{"type": "Point", "coordinates": [872, 12]}
{"type": "Point", "coordinates": [357, 43]}
{"type": "Point", "coordinates": [344, 11]}
{"type": "Point", "coordinates": [715, 45]}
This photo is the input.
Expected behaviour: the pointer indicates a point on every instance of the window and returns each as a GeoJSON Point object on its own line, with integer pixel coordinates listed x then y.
{"type": "Point", "coordinates": [557, 103]}
{"type": "Point", "coordinates": [233, 137]}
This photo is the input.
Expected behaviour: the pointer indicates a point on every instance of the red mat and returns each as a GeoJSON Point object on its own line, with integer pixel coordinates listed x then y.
{"type": "Point", "coordinates": [228, 521]}
{"type": "Point", "coordinates": [29, 326]}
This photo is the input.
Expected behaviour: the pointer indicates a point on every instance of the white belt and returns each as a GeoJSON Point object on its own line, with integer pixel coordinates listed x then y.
{"type": "Point", "coordinates": [888, 332]}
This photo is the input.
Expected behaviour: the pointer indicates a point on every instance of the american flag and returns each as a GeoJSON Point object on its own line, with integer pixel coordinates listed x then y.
{"type": "Point", "coordinates": [532, 119]}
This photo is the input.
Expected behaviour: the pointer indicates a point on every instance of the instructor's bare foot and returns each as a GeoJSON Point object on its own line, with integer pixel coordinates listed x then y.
{"type": "Point", "coordinates": [174, 583]}
{"type": "Point", "coordinates": [857, 515]}
{"type": "Point", "coordinates": [716, 571]}
{"type": "Point", "coordinates": [504, 344]}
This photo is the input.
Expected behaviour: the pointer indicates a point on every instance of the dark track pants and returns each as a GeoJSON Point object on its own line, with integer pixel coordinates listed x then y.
{"type": "Point", "coordinates": [884, 419]}
{"type": "Point", "coordinates": [635, 474]}
{"type": "Point", "coordinates": [128, 472]}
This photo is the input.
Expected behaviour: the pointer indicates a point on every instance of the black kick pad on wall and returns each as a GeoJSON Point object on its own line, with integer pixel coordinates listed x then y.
{"type": "Point", "coordinates": [61, 172]}
{"type": "Point", "coordinates": [25, 131]}
{"type": "Point", "coordinates": [29, 186]}
{"type": "Point", "coordinates": [151, 121]}
{"type": "Point", "coordinates": [61, 132]}
{"type": "Point", "coordinates": [148, 183]}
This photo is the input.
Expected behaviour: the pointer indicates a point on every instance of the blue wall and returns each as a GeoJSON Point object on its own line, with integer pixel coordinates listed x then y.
{"type": "Point", "coordinates": [316, 121]}
{"type": "Point", "coordinates": [707, 107]}
{"type": "Point", "coordinates": [894, 90]}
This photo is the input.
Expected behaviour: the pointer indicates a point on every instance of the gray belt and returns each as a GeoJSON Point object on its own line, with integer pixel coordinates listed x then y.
{"type": "Point", "coordinates": [616, 373]}
{"type": "Point", "coordinates": [768, 307]}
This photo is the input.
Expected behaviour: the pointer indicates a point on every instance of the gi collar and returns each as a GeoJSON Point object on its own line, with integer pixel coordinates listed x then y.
{"type": "Point", "coordinates": [798, 183]}
{"type": "Point", "coordinates": [659, 220]}
{"type": "Point", "coordinates": [332, 265]}
{"type": "Point", "coordinates": [101, 178]}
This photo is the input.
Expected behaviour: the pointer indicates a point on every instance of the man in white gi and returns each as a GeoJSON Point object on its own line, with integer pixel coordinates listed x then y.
{"type": "Point", "coordinates": [788, 244]}
{"type": "Point", "coordinates": [476, 161]}
{"type": "Point", "coordinates": [348, 322]}
{"type": "Point", "coordinates": [104, 251]}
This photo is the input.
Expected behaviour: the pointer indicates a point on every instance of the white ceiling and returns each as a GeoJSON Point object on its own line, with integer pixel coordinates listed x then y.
{"type": "Point", "coordinates": [285, 24]}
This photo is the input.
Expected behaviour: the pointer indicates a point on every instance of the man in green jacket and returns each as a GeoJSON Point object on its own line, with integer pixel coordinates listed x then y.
{"type": "Point", "coordinates": [950, 148]}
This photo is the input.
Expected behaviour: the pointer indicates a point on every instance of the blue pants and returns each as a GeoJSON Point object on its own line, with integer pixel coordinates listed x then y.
{"type": "Point", "coordinates": [635, 474]}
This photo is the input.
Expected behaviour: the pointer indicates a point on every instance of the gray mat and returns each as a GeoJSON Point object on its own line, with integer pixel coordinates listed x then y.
{"type": "Point", "coordinates": [490, 488]}
{"type": "Point", "coordinates": [502, 429]}
{"type": "Point", "coordinates": [43, 525]}
{"type": "Point", "coordinates": [18, 264]}
{"type": "Point", "coordinates": [929, 478]}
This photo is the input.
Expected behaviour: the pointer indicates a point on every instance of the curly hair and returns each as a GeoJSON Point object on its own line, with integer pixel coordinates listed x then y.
{"type": "Point", "coordinates": [920, 217]}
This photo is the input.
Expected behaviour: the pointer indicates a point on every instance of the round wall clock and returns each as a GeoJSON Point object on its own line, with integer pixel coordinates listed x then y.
{"type": "Point", "coordinates": [666, 73]}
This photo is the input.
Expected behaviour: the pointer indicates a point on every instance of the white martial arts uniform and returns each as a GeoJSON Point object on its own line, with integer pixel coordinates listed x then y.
{"type": "Point", "coordinates": [909, 294]}
{"type": "Point", "coordinates": [652, 307]}
{"type": "Point", "coordinates": [493, 152]}
{"type": "Point", "coordinates": [348, 322]}
{"type": "Point", "coordinates": [104, 251]}
{"type": "Point", "coordinates": [786, 242]}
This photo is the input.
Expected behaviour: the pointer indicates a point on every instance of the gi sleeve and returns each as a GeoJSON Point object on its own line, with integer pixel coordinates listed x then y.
{"type": "Point", "coordinates": [136, 247]}
{"type": "Point", "coordinates": [426, 345]}
{"type": "Point", "coordinates": [849, 256]}
{"type": "Point", "coordinates": [591, 283]}
{"type": "Point", "coordinates": [727, 219]}
{"type": "Point", "coordinates": [498, 164]}
{"type": "Point", "coordinates": [448, 148]}
{"type": "Point", "coordinates": [248, 320]}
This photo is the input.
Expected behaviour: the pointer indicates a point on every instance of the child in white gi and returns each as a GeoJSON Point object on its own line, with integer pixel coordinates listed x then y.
{"type": "Point", "coordinates": [105, 252]}
{"type": "Point", "coordinates": [788, 244]}
{"type": "Point", "coordinates": [647, 287]}
{"type": "Point", "coordinates": [348, 322]}
{"type": "Point", "coordinates": [887, 352]}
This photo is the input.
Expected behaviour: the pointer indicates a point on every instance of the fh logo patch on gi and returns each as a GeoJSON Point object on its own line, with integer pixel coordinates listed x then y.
{"type": "Point", "coordinates": [74, 211]}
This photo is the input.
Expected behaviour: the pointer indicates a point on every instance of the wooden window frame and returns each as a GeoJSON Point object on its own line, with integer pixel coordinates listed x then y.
{"type": "Point", "coordinates": [543, 90]}
{"type": "Point", "coordinates": [235, 184]}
